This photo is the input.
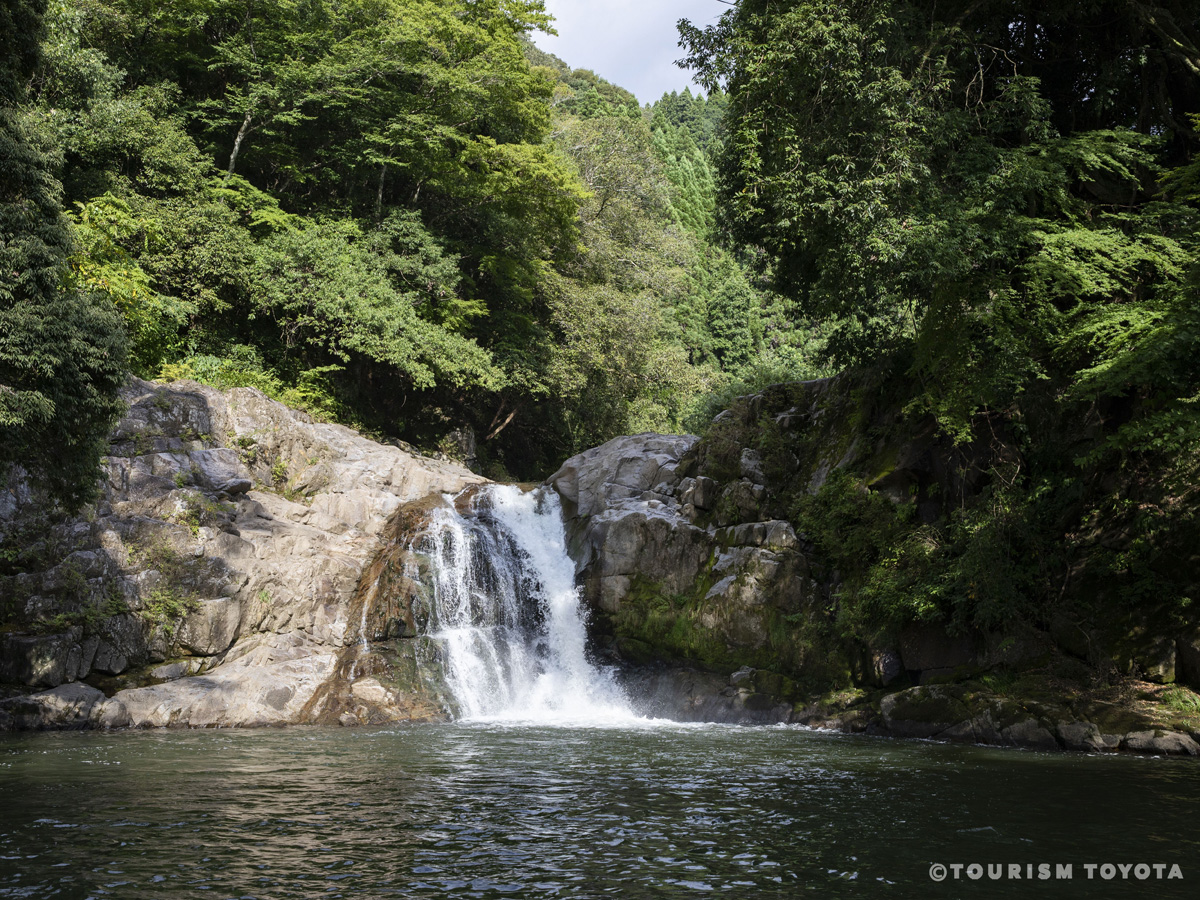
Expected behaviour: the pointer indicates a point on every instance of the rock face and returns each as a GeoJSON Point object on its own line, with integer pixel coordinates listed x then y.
{"type": "Point", "coordinates": [231, 537]}
{"type": "Point", "coordinates": [69, 706]}
{"type": "Point", "coordinates": [247, 566]}
{"type": "Point", "coordinates": [708, 599]}
{"type": "Point", "coordinates": [660, 571]}
{"type": "Point", "coordinates": [687, 695]}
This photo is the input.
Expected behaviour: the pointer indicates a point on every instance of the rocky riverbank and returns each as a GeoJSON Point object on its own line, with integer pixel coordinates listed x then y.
{"type": "Point", "coordinates": [714, 606]}
{"type": "Point", "coordinates": [247, 566]}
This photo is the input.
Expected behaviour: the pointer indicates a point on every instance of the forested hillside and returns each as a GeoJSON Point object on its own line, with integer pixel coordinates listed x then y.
{"type": "Point", "coordinates": [400, 215]}
{"type": "Point", "coordinates": [993, 207]}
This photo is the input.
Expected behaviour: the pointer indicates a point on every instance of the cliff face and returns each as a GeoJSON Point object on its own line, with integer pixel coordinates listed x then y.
{"type": "Point", "coordinates": [216, 581]}
{"type": "Point", "coordinates": [699, 578]}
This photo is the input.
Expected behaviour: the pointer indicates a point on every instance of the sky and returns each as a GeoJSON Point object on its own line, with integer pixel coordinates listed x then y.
{"type": "Point", "coordinates": [632, 43]}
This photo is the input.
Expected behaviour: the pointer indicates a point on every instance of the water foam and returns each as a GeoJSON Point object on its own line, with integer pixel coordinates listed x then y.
{"type": "Point", "coordinates": [508, 613]}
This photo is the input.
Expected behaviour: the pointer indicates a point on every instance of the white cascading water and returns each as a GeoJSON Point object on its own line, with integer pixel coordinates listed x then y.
{"type": "Point", "coordinates": [509, 615]}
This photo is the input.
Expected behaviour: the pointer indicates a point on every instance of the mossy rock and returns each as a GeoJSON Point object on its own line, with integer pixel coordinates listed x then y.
{"type": "Point", "coordinates": [636, 651]}
{"type": "Point", "coordinates": [1112, 718]}
{"type": "Point", "coordinates": [937, 706]}
{"type": "Point", "coordinates": [777, 685]}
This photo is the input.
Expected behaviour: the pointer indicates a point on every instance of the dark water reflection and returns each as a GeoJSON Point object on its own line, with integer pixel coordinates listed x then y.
{"type": "Point", "coordinates": [483, 811]}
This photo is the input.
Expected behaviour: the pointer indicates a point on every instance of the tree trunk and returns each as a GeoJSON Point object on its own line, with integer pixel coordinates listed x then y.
{"type": "Point", "coordinates": [379, 193]}
{"type": "Point", "coordinates": [237, 141]}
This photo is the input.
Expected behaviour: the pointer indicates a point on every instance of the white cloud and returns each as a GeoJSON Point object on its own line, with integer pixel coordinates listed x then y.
{"type": "Point", "coordinates": [633, 43]}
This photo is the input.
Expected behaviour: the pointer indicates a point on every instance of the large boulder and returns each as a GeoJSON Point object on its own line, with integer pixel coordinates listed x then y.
{"type": "Point", "coordinates": [1187, 656]}
{"type": "Point", "coordinates": [641, 467]}
{"type": "Point", "coordinates": [68, 706]}
{"type": "Point", "coordinates": [43, 660]}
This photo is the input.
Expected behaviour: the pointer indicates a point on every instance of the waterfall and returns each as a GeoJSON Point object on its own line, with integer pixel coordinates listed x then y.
{"type": "Point", "coordinates": [506, 609]}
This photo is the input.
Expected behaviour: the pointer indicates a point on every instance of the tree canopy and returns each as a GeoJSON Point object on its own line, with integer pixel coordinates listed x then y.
{"type": "Point", "coordinates": [994, 202]}
{"type": "Point", "coordinates": [62, 350]}
{"type": "Point", "coordinates": [409, 199]}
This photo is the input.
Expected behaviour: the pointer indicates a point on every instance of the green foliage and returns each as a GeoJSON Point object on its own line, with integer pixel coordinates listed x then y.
{"type": "Point", "coordinates": [22, 26]}
{"type": "Point", "coordinates": [690, 172]}
{"type": "Point", "coordinates": [104, 267]}
{"type": "Point", "coordinates": [581, 93]}
{"type": "Point", "coordinates": [984, 200]}
{"type": "Point", "coordinates": [701, 118]}
{"type": "Point", "coordinates": [167, 608]}
{"type": "Point", "coordinates": [1181, 700]}
{"type": "Point", "coordinates": [313, 391]}
{"type": "Point", "coordinates": [332, 292]}
{"type": "Point", "coordinates": [173, 598]}
{"type": "Point", "coordinates": [396, 214]}
{"type": "Point", "coordinates": [769, 368]}
{"type": "Point", "coordinates": [199, 510]}
{"type": "Point", "coordinates": [923, 187]}
{"type": "Point", "coordinates": [983, 567]}
{"type": "Point", "coordinates": [90, 616]}
{"type": "Point", "coordinates": [62, 354]}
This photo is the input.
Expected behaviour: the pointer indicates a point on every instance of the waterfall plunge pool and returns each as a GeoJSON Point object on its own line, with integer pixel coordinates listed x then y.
{"type": "Point", "coordinates": [551, 786]}
{"type": "Point", "coordinates": [499, 810]}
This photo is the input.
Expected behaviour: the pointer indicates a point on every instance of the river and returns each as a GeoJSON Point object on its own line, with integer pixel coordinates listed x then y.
{"type": "Point", "coordinates": [497, 810]}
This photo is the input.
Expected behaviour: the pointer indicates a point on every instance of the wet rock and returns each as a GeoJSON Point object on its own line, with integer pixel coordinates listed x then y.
{"type": "Point", "coordinates": [956, 713]}
{"type": "Point", "coordinates": [109, 715]}
{"type": "Point", "coordinates": [1084, 736]}
{"type": "Point", "coordinates": [923, 712]}
{"type": "Point", "coordinates": [68, 706]}
{"type": "Point", "coordinates": [687, 695]}
{"type": "Point", "coordinates": [1030, 733]}
{"type": "Point", "coordinates": [1166, 742]}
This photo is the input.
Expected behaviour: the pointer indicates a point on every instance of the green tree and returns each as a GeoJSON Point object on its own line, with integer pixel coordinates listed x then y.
{"type": "Point", "coordinates": [335, 293]}
{"type": "Point", "coordinates": [994, 203]}
{"type": "Point", "coordinates": [62, 352]}
{"type": "Point", "coordinates": [955, 186]}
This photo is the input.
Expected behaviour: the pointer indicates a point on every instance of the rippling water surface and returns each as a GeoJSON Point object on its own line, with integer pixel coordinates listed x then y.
{"type": "Point", "coordinates": [490, 810]}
